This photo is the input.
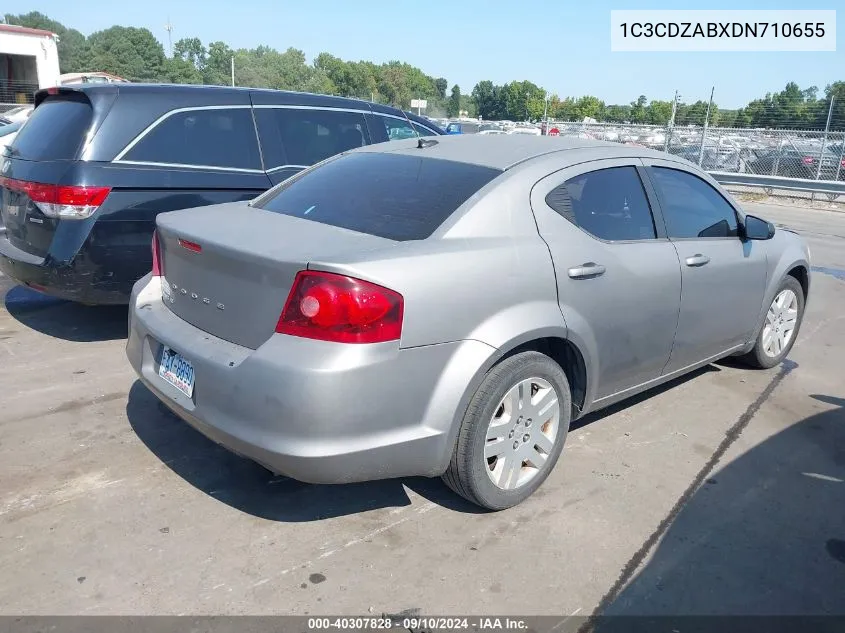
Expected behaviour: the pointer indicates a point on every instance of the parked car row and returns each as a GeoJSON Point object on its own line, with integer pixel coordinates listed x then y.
{"type": "Point", "coordinates": [755, 152]}
{"type": "Point", "coordinates": [443, 305]}
{"type": "Point", "coordinates": [18, 114]}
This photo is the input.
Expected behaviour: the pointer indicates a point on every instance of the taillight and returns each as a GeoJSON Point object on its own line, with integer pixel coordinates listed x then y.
{"type": "Point", "coordinates": [342, 309]}
{"type": "Point", "coordinates": [157, 269]}
{"type": "Point", "coordinates": [66, 202]}
{"type": "Point", "coordinates": [807, 160]}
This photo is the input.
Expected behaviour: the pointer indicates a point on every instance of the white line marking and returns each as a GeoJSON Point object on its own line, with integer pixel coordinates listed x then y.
{"type": "Point", "coordinates": [356, 541]}
{"type": "Point", "coordinates": [566, 619]}
{"type": "Point", "coordinates": [824, 477]}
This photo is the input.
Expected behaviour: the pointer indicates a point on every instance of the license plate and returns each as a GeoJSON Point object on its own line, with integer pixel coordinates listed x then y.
{"type": "Point", "coordinates": [177, 371]}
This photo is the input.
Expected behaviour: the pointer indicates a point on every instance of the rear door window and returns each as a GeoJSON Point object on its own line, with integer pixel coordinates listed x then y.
{"type": "Point", "coordinates": [395, 196]}
{"type": "Point", "coordinates": [215, 137]}
{"type": "Point", "coordinates": [398, 129]}
{"type": "Point", "coordinates": [609, 204]}
{"type": "Point", "coordinates": [423, 131]}
{"type": "Point", "coordinates": [55, 130]}
{"type": "Point", "coordinates": [303, 137]}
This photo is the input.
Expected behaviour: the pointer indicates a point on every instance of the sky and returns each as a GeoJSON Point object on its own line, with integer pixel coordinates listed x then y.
{"type": "Point", "coordinates": [560, 45]}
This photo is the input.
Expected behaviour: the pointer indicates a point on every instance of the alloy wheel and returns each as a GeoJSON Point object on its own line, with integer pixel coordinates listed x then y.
{"type": "Point", "coordinates": [781, 320]}
{"type": "Point", "coordinates": [522, 433]}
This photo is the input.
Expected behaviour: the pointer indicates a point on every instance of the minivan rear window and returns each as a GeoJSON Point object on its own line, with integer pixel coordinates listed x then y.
{"type": "Point", "coordinates": [55, 130]}
{"type": "Point", "coordinates": [395, 196]}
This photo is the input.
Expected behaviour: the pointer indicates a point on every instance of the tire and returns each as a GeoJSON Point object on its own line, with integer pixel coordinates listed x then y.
{"type": "Point", "coordinates": [759, 357]}
{"type": "Point", "coordinates": [470, 473]}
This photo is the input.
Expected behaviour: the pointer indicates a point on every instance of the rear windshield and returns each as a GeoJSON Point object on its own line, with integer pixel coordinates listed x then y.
{"type": "Point", "coordinates": [395, 196]}
{"type": "Point", "coordinates": [54, 131]}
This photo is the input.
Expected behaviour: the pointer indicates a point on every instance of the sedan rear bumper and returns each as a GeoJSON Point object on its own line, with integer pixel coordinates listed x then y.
{"type": "Point", "coordinates": [315, 411]}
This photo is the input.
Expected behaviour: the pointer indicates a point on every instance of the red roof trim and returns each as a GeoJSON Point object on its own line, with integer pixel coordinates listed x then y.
{"type": "Point", "coordinates": [12, 28]}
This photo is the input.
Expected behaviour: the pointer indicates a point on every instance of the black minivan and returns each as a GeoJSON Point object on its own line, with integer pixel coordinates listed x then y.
{"type": "Point", "coordinates": [83, 181]}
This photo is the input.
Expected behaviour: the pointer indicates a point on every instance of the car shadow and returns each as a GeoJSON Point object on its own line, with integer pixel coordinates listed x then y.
{"type": "Point", "coordinates": [763, 536]}
{"type": "Point", "coordinates": [65, 319]}
{"type": "Point", "coordinates": [641, 397]}
{"type": "Point", "coordinates": [250, 488]}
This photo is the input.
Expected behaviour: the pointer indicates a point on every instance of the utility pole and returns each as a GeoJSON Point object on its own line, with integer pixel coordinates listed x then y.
{"type": "Point", "coordinates": [824, 140]}
{"type": "Point", "coordinates": [671, 123]}
{"type": "Point", "coordinates": [233, 71]}
{"type": "Point", "coordinates": [545, 127]}
{"type": "Point", "coordinates": [704, 131]}
{"type": "Point", "coordinates": [169, 28]}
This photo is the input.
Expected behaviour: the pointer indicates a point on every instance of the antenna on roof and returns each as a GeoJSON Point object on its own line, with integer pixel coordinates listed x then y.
{"type": "Point", "coordinates": [169, 28]}
{"type": "Point", "coordinates": [413, 127]}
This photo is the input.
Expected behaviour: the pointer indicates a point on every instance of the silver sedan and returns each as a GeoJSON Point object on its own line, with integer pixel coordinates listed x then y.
{"type": "Point", "coordinates": [446, 307]}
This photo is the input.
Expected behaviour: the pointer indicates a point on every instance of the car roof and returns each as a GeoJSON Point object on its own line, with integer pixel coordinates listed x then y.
{"type": "Point", "coordinates": [504, 151]}
{"type": "Point", "coordinates": [259, 96]}
{"type": "Point", "coordinates": [142, 88]}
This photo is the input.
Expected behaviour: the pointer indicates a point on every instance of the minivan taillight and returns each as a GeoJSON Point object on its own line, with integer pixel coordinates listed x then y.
{"type": "Point", "coordinates": [157, 269]}
{"type": "Point", "coordinates": [332, 307]}
{"type": "Point", "coordinates": [808, 160]}
{"type": "Point", "coordinates": [64, 202]}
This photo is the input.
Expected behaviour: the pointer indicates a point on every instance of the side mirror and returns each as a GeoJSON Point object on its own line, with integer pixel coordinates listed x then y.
{"type": "Point", "coordinates": [758, 229]}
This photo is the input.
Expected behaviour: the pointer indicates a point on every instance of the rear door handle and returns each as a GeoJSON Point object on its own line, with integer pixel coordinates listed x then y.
{"type": "Point", "coordinates": [697, 260]}
{"type": "Point", "coordinates": [586, 271]}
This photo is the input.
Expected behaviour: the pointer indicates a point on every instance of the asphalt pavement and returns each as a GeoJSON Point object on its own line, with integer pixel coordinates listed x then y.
{"type": "Point", "coordinates": [720, 493]}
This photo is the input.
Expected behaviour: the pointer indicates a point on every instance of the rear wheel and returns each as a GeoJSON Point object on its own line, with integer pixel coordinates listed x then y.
{"type": "Point", "coordinates": [783, 319]}
{"type": "Point", "coordinates": [512, 433]}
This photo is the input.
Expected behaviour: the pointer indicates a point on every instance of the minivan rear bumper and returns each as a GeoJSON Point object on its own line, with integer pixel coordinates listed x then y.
{"type": "Point", "coordinates": [93, 275]}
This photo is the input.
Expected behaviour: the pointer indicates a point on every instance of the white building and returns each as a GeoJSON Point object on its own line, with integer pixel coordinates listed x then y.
{"type": "Point", "coordinates": [29, 61]}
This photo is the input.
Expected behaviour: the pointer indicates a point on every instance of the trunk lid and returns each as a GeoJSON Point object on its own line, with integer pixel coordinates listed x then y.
{"type": "Point", "coordinates": [236, 285]}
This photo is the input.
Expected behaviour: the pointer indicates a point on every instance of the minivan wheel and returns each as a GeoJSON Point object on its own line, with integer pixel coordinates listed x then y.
{"type": "Point", "coordinates": [512, 433]}
{"type": "Point", "coordinates": [783, 319]}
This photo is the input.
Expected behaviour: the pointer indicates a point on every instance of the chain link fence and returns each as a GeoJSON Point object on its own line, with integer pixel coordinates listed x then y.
{"type": "Point", "coordinates": [16, 93]}
{"type": "Point", "coordinates": [810, 155]}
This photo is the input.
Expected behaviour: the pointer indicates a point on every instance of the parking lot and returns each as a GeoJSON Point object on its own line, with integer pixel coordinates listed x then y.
{"type": "Point", "coordinates": [720, 493]}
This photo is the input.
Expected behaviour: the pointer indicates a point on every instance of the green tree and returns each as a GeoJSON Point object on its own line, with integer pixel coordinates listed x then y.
{"type": "Point", "coordinates": [188, 64]}
{"type": "Point", "coordinates": [318, 82]}
{"type": "Point", "coordinates": [179, 71]}
{"type": "Point", "coordinates": [128, 52]}
{"type": "Point", "coordinates": [441, 84]}
{"type": "Point", "coordinates": [836, 91]}
{"type": "Point", "coordinates": [468, 106]}
{"type": "Point", "coordinates": [218, 64]}
{"type": "Point", "coordinates": [638, 110]}
{"type": "Point", "coordinates": [522, 100]}
{"type": "Point", "coordinates": [191, 50]}
{"type": "Point", "coordinates": [564, 110]}
{"type": "Point", "coordinates": [659, 112]}
{"type": "Point", "coordinates": [618, 113]}
{"type": "Point", "coordinates": [454, 107]}
{"type": "Point", "coordinates": [485, 97]}
{"type": "Point", "coordinates": [589, 106]}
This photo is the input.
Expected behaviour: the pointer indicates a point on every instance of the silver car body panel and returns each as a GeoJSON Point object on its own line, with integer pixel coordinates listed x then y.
{"type": "Point", "coordinates": [491, 278]}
